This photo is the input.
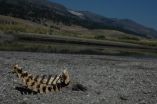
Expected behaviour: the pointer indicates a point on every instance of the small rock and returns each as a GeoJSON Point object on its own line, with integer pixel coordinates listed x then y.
{"type": "Point", "coordinates": [23, 102]}
{"type": "Point", "coordinates": [24, 99]}
{"type": "Point", "coordinates": [147, 92]}
{"type": "Point", "coordinates": [123, 97]}
{"type": "Point", "coordinates": [98, 92]}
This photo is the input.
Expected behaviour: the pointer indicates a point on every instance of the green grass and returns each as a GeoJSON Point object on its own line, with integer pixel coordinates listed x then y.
{"type": "Point", "coordinates": [72, 48]}
{"type": "Point", "coordinates": [15, 28]}
{"type": "Point", "coordinates": [60, 44]}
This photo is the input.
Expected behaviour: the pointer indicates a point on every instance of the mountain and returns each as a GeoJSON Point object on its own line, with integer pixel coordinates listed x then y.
{"type": "Point", "coordinates": [35, 10]}
{"type": "Point", "coordinates": [124, 25]}
{"type": "Point", "coordinates": [43, 11]}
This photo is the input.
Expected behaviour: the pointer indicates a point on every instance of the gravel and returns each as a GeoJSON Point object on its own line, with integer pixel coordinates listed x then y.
{"type": "Point", "coordinates": [108, 79]}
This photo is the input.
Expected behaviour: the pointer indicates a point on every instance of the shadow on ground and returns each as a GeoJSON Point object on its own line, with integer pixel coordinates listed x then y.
{"type": "Point", "coordinates": [25, 91]}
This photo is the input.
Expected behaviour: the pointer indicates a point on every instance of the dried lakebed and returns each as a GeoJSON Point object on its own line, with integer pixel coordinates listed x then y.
{"type": "Point", "coordinates": [108, 79]}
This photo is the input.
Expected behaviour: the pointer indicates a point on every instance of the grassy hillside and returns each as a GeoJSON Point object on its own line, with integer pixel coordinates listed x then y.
{"type": "Point", "coordinates": [14, 25]}
{"type": "Point", "coordinates": [43, 11]}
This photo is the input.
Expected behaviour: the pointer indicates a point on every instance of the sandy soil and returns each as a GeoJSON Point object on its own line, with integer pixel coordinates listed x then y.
{"type": "Point", "coordinates": [109, 79]}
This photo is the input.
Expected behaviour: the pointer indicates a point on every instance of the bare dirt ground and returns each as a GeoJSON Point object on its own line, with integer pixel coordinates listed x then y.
{"type": "Point", "coordinates": [109, 79]}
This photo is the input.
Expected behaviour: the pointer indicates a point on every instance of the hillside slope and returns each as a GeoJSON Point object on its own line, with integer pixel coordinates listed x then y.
{"type": "Point", "coordinates": [13, 25]}
{"type": "Point", "coordinates": [43, 11]}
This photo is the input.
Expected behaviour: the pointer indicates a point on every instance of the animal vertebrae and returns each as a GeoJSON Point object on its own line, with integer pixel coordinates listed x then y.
{"type": "Point", "coordinates": [42, 84]}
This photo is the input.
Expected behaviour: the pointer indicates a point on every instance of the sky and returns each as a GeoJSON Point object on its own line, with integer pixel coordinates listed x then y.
{"type": "Point", "coordinates": [141, 11]}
